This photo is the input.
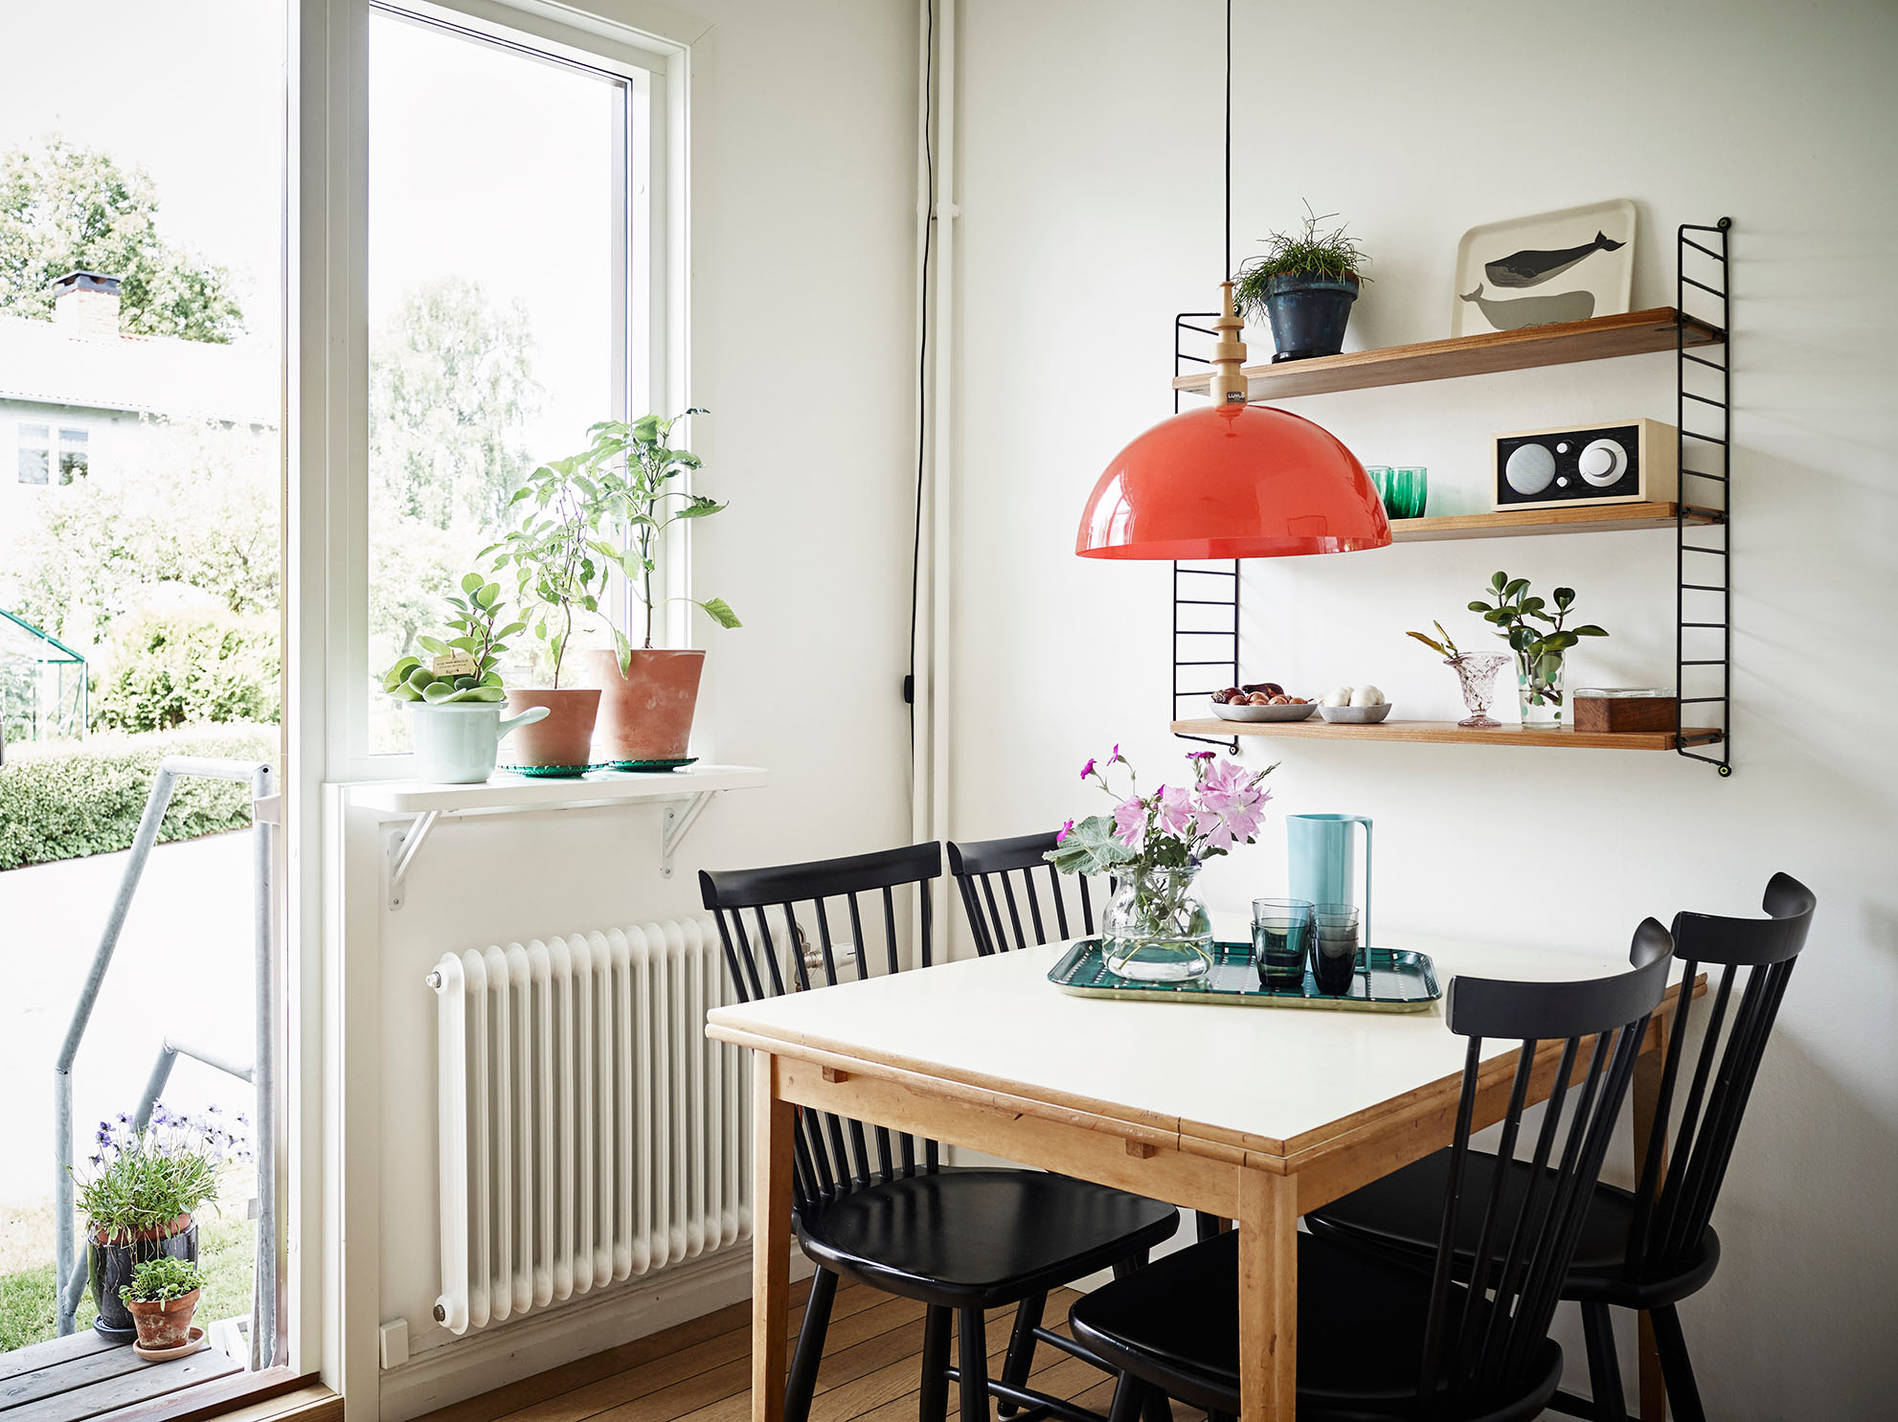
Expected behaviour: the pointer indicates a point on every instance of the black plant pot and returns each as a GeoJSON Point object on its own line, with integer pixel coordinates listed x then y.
{"type": "Point", "coordinates": [1308, 314]}
{"type": "Point", "coordinates": [112, 1265]}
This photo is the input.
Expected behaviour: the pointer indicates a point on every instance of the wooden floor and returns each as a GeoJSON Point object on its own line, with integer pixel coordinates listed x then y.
{"type": "Point", "coordinates": [701, 1370]}
{"type": "Point", "coordinates": [84, 1376]}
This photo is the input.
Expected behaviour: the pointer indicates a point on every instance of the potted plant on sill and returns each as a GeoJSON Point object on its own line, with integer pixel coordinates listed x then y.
{"type": "Point", "coordinates": [649, 694]}
{"type": "Point", "coordinates": [455, 698]}
{"type": "Point", "coordinates": [161, 1298]}
{"type": "Point", "coordinates": [140, 1199]}
{"type": "Point", "coordinates": [1303, 283]}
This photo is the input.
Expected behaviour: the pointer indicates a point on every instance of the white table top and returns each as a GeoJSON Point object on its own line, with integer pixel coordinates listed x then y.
{"type": "Point", "coordinates": [1272, 1075]}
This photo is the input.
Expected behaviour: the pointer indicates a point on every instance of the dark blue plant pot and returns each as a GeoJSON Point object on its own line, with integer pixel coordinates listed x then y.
{"type": "Point", "coordinates": [1309, 314]}
{"type": "Point", "coordinates": [112, 1265]}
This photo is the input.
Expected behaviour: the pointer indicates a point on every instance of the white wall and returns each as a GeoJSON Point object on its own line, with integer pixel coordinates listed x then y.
{"type": "Point", "coordinates": [1089, 186]}
{"type": "Point", "coordinates": [802, 220]}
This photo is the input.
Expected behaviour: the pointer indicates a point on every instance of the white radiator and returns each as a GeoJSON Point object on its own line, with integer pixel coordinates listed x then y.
{"type": "Point", "coordinates": [589, 1130]}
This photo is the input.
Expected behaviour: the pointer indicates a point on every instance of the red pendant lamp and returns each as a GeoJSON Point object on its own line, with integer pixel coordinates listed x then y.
{"type": "Point", "coordinates": [1233, 480]}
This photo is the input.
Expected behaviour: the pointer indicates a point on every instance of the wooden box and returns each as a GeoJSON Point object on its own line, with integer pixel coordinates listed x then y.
{"type": "Point", "coordinates": [1612, 711]}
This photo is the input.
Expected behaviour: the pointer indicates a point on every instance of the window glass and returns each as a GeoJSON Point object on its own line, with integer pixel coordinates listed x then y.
{"type": "Point", "coordinates": [34, 455]}
{"type": "Point", "coordinates": [74, 457]}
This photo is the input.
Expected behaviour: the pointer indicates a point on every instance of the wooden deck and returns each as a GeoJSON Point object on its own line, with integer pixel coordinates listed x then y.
{"type": "Point", "coordinates": [701, 1370]}
{"type": "Point", "coordinates": [83, 1376]}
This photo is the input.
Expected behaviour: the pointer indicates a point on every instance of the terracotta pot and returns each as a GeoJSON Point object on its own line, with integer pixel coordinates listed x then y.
{"type": "Point", "coordinates": [114, 1260]}
{"type": "Point", "coordinates": [645, 714]}
{"type": "Point", "coordinates": [563, 739]}
{"type": "Point", "coordinates": [164, 1323]}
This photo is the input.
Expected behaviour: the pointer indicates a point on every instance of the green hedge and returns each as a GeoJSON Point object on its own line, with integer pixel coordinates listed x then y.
{"type": "Point", "coordinates": [68, 799]}
{"type": "Point", "coordinates": [183, 669]}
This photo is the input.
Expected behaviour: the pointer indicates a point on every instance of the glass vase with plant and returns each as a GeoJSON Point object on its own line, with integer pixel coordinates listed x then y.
{"type": "Point", "coordinates": [161, 1298]}
{"type": "Point", "coordinates": [1155, 929]}
{"type": "Point", "coordinates": [1541, 650]}
{"type": "Point", "coordinates": [140, 1193]}
{"type": "Point", "coordinates": [455, 693]}
{"type": "Point", "coordinates": [1475, 674]}
{"type": "Point", "coordinates": [1304, 283]}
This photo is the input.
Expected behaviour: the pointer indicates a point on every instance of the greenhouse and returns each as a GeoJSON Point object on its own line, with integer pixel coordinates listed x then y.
{"type": "Point", "coordinates": [43, 684]}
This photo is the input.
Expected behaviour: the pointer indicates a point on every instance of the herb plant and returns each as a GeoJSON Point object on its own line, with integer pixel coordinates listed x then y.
{"type": "Point", "coordinates": [161, 1279]}
{"type": "Point", "coordinates": [1303, 252]}
{"type": "Point", "coordinates": [140, 1182]}
{"type": "Point", "coordinates": [1539, 650]}
{"type": "Point", "coordinates": [476, 610]}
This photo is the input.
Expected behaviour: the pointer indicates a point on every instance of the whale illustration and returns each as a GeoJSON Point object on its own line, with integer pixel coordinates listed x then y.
{"type": "Point", "coordinates": [1522, 311]}
{"type": "Point", "coordinates": [1531, 268]}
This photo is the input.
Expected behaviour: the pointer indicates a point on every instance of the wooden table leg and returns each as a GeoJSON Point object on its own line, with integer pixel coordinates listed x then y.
{"type": "Point", "coordinates": [1268, 1296]}
{"type": "Point", "coordinates": [1652, 1392]}
{"type": "Point", "coordinates": [772, 1126]}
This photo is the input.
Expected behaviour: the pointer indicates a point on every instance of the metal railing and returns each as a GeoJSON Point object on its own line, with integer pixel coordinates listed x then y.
{"type": "Point", "coordinates": [70, 1267]}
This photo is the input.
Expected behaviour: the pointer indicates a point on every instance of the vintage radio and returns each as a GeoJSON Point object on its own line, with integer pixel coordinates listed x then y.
{"type": "Point", "coordinates": [1633, 462]}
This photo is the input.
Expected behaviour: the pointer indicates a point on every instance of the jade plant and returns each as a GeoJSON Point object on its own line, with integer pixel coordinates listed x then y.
{"type": "Point", "coordinates": [462, 667]}
{"type": "Point", "coordinates": [1305, 251]}
{"type": "Point", "coordinates": [1515, 613]}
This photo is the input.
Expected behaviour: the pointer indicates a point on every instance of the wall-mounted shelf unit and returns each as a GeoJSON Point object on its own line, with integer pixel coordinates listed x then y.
{"type": "Point", "coordinates": [1449, 733]}
{"type": "Point", "coordinates": [1636, 333]}
{"type": "Point", "coordinates": [1695, 328]}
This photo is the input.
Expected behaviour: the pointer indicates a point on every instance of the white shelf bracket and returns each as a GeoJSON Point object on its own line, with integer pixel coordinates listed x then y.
{"type": "Point", "coordinates": [402, 851]}
{"type": "Point", "coordinates": [676, 825]}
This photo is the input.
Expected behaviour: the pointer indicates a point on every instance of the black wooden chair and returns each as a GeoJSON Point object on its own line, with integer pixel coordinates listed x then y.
{"type": "Point", "coordinates": [1378, 1338]}
{"type": "Point", "coordinates": [984, 869]}
{"type": "Point", "coordinates": [1650, 1248]}
{"type": "Point", "coordinates": [878, 1206]}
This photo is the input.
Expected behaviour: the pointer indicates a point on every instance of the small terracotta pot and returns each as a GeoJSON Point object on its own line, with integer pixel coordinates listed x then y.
{"type": "Point", "coordinates": [164, 1323]}
{"type": "Point", "coordinates": [565, 738]}
{"type": "Point", "coordinates": [645, 714]}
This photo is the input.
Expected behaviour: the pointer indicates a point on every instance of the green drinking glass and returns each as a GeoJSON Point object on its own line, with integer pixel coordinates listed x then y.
{"type": "Point", "coordinates": [1409, 491]}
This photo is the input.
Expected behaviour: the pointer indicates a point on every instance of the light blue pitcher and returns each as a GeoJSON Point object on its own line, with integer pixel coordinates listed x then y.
{"type": "Point", "coordinates": [1323, 852]}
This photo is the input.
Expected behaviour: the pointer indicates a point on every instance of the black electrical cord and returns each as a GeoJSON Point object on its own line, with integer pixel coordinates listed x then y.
{"type": "Point", "coordinates": [922, 358]}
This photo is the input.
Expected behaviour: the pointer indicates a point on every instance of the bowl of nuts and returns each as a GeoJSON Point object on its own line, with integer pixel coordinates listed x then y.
{"type": "Point", "coordinates": [1260, 701]}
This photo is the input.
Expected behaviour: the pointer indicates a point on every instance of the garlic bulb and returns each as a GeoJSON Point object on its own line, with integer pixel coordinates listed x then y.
{"type": "Point", "coordinates": [1367, 696]}
{"type": "Point", "coordinates": [1341, 696]}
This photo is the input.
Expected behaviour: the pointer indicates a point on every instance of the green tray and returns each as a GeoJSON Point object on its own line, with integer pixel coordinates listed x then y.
{"type": "Point", "coordinates": [1393, 980]}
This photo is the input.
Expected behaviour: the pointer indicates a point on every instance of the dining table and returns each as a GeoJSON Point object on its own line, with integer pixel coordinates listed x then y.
{"type": "Point", "coordinates": [1249, 1114]}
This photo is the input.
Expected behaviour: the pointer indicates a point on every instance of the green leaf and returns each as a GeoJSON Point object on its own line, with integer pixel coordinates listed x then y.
{"type": "Point", "coordinates": [699, 508]}
{"type": "Point", "coordinates": [1499, 581]}
{"type": "Point", "coordinates": [1090, 848]}
{"type": "Point", "coordinates": [1589, 630]}
{"type": "Point", "coordinates": [484, 693]}
{"type": "Point", "coordinates": [406, 692]}
{"type": "Point", "coordinates": [720, 612]}
{"type": "Point", "coordinates": [1564, 596]}
{"type": "Point", "coordinates": [1516, 587]}
{"type": "Point", "coordinates": [420, 677]}
{"type": "Point", "coordinates": [437, 692]}
{"type": "Point", "coordinates": [488, 596]}
{"type": "Point", "coordinates": [433, 645]}
{"type": "Point", "coordinates": [518, 625]}
{"type": "Point", "coordinates": [1482, 607]}
{"type": "Point", "coordinates": [1432, 643]}
{"type": "Point", "coordinates": [471, 582]}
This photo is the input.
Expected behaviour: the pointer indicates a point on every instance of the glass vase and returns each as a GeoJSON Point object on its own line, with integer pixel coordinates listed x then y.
{"type": "Point", "coordinates": [1539, 683]}
{"type": "Point", "coordinates": [1155, 929]}
{"type": "Point", "coordinates": [1476, 674]}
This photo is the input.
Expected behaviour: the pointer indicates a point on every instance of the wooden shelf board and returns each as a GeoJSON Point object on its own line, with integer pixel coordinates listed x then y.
{"type": "Point", "coordinates": [1447, 733]}
{"type": "Point", "coordinates": [1548, 519]}
{"type": "Point", "coordinates": [1635, 333]}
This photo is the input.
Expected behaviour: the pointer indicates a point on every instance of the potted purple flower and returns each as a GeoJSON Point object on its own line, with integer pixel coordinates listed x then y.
{"type": "Point", "coordinates": [1155, 929]}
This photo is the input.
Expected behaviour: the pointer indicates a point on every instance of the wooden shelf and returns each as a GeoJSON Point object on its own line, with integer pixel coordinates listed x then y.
{"type": "Point", "coordinates": [1548, 519]}
{"type": "Point", "coordinates": [1635, 333]}
{"type": "Point", "coordinates": [1447, 733]}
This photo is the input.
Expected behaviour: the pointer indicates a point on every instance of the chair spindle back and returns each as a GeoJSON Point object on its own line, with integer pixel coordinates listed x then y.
{"type": "Point", "coordinates": [988, 872]}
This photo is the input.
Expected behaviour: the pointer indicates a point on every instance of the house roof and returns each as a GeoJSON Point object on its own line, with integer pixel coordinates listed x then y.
{"type": "Point", "coordinates": [48, 363]}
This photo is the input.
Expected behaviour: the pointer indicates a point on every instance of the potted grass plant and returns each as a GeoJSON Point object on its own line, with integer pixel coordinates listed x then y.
{"type": "Point", "coordinates": [161, 1298]}
{"type": "Point", "coordinates": [140, 1197]}
{"type": "Point", "coordinates": [1303, 284]}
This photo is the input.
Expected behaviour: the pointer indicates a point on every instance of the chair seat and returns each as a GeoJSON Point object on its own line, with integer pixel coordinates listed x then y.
{"type": "Point", "coordinates": [1175, 1324]}
{"type": "Point", "coordinates": [980, 1238]}
{"type": "Point", "coordinates": [1403, 1212]}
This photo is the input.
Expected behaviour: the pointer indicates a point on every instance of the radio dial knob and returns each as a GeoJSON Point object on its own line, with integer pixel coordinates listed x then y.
{"type": "Point", "coordinates": [1603, 463]}
{"type": "Point", "coordinates": [1529, 469]}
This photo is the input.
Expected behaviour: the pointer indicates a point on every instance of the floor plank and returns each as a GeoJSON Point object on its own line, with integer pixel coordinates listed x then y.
{"type": "Point", "coordinates": [52, 1353]}
{"type": "Point", "coordinates": [149, 1381]}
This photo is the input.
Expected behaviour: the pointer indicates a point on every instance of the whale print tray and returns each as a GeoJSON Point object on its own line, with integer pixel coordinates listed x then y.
{"type": "Point", "coordinates": [1392, 980]}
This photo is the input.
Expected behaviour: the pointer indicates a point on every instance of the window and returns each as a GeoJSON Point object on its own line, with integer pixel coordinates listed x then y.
{"type": "Point", "coordinates": [35, 453]}
{"type": "Point", "coordinates": [508, 298]}
{"type": "Point", "coordinates": [74, 460]}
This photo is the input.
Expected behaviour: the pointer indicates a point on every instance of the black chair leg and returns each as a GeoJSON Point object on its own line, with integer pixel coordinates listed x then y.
{"type": "Point", "coordinates": [1130, 1398]}
{"type": "Point", "coordinates": [972, 1368]}
{"type": "Point", "coordinates": [802, 1383]}
{"type": "Point", "coordinates": [1021, 1349]}
{"type": "Point", "coordinates": [1683, 1395]}
{"type": "Point", "coordinates": [1132, 1264]}
{"type": "Point", "coordinates": [1208, 1226]}
{"type": "Point", "coordinates": [932, 1403]}
{"type": "Point", "coordinates": [1604, 1368]}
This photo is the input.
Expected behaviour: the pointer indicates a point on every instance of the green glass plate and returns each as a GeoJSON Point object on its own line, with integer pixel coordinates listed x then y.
{"type": "Point", "coordinates": [1392, 980]}
{"type": "Point", "coordinates": [550, 772]}
{"type": "Point", "coordinates": [646, 767]}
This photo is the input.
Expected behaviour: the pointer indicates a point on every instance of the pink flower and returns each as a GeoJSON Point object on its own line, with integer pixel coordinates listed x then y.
{"type": "Point", "coordinates": [1087, 769]}
{"type": "Point", "coordinates": [1066, 830]}
{"type": "Point", "coordinates": [1199, 755]}
{"type": "Point", "coordinates": [1232, 817]}
{"type": "Point", "coordinates": [1225, 777]}
{"type": "Point", "coordinates": [1130, 821]}
{"type": "Point", "coordinates": [1116, 758]}
{"type": "Point", "coordinates": [1176, 811]}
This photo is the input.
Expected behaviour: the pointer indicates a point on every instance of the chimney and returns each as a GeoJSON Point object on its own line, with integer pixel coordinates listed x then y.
{"type": "Point", "coordinates": [87, 303]}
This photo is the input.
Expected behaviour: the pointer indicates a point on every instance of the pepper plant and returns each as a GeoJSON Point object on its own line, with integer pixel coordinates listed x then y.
{"type": "Point", "coordinates": [1539, 650]}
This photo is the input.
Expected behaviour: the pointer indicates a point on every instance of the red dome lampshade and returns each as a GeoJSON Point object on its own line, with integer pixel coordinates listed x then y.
{"type": "Point", "coordinates": [1233, 481]}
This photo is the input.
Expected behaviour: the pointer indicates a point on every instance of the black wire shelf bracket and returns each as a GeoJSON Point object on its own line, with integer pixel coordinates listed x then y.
{"type": "Point", "coordinates": [1210, 590]}
{"type": "Point", "coordinates": [1703, 415]}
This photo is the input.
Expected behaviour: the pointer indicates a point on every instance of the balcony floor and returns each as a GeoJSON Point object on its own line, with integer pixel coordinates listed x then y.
{"type": "Point", "coordinates": [83, 1376]}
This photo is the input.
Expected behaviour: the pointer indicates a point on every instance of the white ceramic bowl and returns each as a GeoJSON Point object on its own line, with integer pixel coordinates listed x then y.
{"type": "Point", "coordinates": [1249, 712]}
{"type": "Point", "coordinates": [1355, 715]}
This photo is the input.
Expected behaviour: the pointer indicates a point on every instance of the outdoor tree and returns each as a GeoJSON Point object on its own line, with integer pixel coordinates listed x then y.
{"type": "Point", "coordinates": [64, 208]}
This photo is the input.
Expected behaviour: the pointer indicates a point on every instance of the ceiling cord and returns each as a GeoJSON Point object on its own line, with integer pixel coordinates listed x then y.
{"type": "Point", "coordinates": [922, 357]}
